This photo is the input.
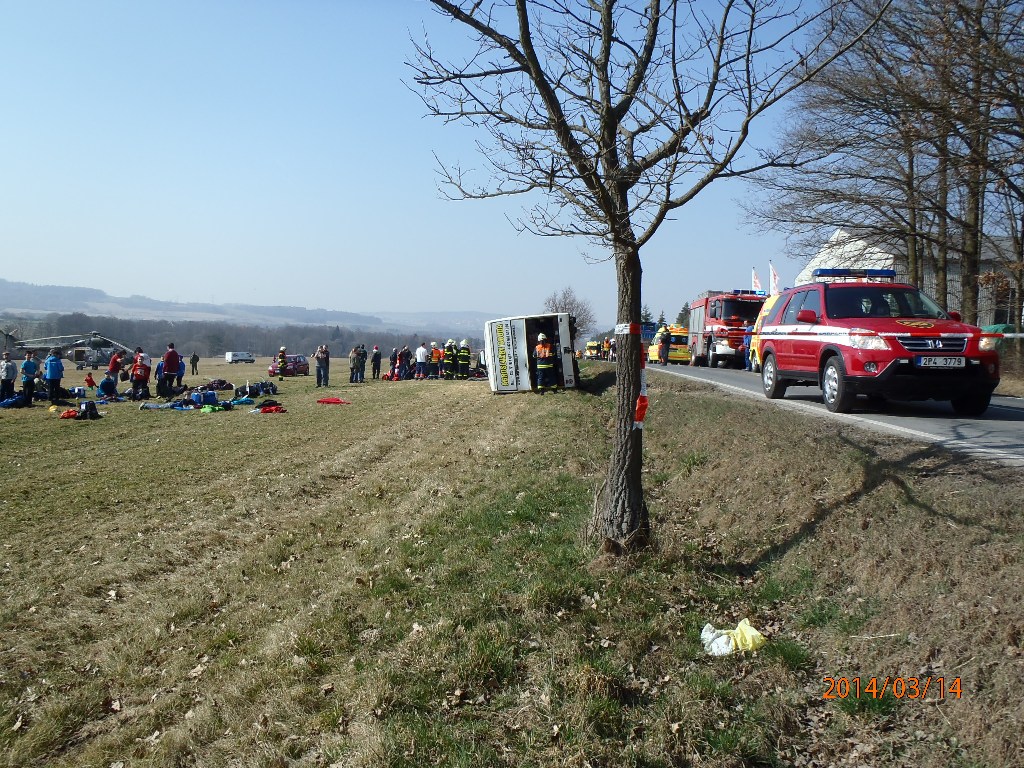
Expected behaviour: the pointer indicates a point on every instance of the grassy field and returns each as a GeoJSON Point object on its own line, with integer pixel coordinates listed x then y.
{"type": "Point", "coordinates": [406, 581]}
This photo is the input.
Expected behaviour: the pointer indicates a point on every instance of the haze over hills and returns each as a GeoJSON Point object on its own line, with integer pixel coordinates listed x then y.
{"type": "Point", "coordinates": [27, 299]}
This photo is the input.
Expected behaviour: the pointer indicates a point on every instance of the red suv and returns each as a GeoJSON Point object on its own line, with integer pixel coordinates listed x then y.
{"type": "Point", "coordinates": [296, 365]}
{"type": "Point", "coordinates": [856, 332]}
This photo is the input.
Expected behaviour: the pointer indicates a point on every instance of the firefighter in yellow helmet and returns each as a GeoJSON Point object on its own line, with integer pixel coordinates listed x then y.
{"type": "Point", "coordinates": [282, 363]}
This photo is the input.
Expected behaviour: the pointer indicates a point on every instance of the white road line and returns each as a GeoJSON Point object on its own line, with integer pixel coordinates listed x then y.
{"type": "Point", "coordinates": [964, 446]}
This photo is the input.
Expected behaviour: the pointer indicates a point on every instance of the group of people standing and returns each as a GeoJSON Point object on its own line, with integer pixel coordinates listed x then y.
{"type": "Point", "coordinates": [357, 359]}
{"type": "Point", "coordinates": [50, 372]}
{"type": "Point", "coordinates": [450, 362]}
{"type": "Point", "coordinates": [47, 373]}
{"type": "Point", "coordinates": [170, 371]}
{"type": "Point", "coordinates": [357, 363]}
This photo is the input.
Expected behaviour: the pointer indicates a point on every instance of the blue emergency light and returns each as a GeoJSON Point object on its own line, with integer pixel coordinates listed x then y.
{"type": "Point", "coordinates": [745, 292]}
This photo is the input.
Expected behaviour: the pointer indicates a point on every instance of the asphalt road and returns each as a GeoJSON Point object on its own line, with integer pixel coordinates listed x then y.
{"type": "Point", "coordinates": [998, 435]}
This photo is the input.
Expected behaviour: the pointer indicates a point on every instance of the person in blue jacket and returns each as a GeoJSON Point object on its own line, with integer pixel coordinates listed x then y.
{"type": "Point", "coordinates": [107, 386]}
{"type": "Point", "coordinates": [29, 371]}
{"type": "Point", "coordinates": [53, 372]}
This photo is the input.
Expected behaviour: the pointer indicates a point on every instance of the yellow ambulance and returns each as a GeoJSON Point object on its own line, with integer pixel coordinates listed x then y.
{"type": "Point", "coordinates": [679, 345]}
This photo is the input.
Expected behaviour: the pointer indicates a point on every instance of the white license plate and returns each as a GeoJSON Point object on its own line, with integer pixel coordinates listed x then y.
{"type": "Point", "coordinates": [941, 362]}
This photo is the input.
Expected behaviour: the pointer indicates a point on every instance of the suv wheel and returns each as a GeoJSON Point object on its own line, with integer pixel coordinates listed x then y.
{"type": "Point", "coordinates": [833, 387]}
{"type": "Point", "coordinates": [773, 387]}
{"type": "Point", "coordinates": [971, 405]}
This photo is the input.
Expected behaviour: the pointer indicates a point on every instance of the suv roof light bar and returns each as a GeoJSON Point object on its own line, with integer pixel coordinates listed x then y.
{"type": "Point", "coordinates": [746, 292]}
{"type": "Point", "coordinates": [881, 275]}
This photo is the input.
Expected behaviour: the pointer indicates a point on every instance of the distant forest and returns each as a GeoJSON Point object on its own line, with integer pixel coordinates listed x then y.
{"type": "Point", "coordinates": [212, 339]}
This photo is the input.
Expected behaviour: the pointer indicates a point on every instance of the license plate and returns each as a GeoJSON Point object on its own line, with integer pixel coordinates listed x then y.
{"type": "Point", "coordinates": [941, 362]}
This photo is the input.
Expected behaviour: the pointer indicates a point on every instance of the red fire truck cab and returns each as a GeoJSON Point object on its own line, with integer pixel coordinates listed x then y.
{"type": "Point", "coordinates": [718, 323]}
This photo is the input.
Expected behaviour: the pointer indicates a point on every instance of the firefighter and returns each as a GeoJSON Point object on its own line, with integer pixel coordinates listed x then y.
{"type": "Point", "coordinates": [434, 366]}
{"type": "Point", "coordinates": [282, 363]}
{"type": "Point", "coordinates": [450, 359]}
{"type": "Point", "coordinates": [464, 357]}
{"type": "Point", "coordinates": [545, 357]}
{"type": "Point", "coordinates": [606, 348]}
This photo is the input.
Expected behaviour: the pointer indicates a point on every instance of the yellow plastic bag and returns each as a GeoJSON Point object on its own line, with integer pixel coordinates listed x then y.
{"type": "Point", "coordinates": [745, 637]}
{"type": "Point", "coordinates": [722, 642]}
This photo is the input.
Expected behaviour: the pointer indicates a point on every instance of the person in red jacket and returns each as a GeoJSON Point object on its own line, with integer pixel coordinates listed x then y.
{"type": "Point", "coordinates": [171, 360]}
{"type": "Point", "coordinates": [141, 368]}
{"type": "Point", "coordinates": [114, 367]}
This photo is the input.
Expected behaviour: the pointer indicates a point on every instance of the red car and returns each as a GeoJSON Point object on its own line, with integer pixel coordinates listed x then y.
{"type": "Point", "coordinates": [297, 365]}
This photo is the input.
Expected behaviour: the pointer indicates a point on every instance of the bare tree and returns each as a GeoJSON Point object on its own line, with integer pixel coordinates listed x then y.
{"type": "Point", "coordinates": [566, 300]}
{"type": "Point", "coordinates": [906, 136]}
{"type": "Point", "coordinates": [619, 113]}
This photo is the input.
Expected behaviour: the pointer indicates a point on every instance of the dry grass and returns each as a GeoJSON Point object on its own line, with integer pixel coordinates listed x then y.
{"type": "Point", "coordinates": [402, 581]}
{"type": "Point", "coordinates": [1011, 382]}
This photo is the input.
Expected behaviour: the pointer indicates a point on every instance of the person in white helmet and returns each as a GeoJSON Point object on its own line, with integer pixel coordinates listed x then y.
{"type": "Point", "coordinates": [544, 354]}
{"type": "Point", "coordinates": [464, 355]}
{"type": "Point", "coordinates": [434, 364]}
{"type": "Point", "coordinates": [450, 359]}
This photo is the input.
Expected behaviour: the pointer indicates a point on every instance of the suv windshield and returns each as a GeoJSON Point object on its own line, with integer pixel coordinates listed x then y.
{"type": "Point", "coordinates": [879, 301]}
{"type": "Point", "coordinates": [742, 310]}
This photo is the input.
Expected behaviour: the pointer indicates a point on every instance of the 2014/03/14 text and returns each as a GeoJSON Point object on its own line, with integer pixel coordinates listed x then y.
{"type": "Point", "coordinates": [899, 687]}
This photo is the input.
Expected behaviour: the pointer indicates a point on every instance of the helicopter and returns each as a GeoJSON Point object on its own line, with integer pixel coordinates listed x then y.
{"type": "Point", "coordinates": [83, 351]}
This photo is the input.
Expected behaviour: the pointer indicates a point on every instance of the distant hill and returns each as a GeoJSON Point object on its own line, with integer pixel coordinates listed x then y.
{"type": "Point", "coordinates": [29, 299]}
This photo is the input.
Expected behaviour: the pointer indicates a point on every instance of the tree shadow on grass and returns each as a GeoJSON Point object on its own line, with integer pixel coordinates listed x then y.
{"type": "Point", "coordinates": [878, 472]}
{"type": "Point", "coordinates": [597, 384]}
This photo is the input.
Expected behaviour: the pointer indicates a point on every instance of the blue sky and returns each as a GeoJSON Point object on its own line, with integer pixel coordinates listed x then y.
{"type": "Point", "coordinates": [269, 153]}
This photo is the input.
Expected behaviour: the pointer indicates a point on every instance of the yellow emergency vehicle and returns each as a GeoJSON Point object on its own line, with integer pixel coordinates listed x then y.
{"type": "Point", "coordinates": [679, 345]}
{"type": "Point", "coordinates": [593, 350]}
{"type": "Point", "coordinates": [755, 340]}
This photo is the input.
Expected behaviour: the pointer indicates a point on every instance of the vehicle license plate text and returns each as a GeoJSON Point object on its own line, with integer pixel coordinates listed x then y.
{"type": "Point", "coordinates": [941, 362]}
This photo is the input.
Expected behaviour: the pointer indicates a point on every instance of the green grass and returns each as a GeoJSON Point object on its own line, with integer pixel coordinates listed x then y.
{"type": "Point", "coordinates": [792, 654]}
{"type": "Point", "coordinates": [869, 706]}
{"type": "Point", "coordinates": [400, 582]}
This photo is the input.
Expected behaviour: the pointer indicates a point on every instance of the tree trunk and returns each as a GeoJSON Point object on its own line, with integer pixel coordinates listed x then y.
{"type": "Point", "coordinates": [621, 512]}
{"type": "Point", "coordinates": [1018, 282]}
{"type": "Point", "coordinates": [914, 270]}
{"type": "Point", "coordinates": [942, 263]}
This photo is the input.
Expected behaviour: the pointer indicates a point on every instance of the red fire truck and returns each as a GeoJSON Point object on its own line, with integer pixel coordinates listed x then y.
{"type": "Point", "coordinates": [718, 322]}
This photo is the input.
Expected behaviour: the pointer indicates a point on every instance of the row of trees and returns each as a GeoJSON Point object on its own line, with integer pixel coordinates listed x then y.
{"type": "Point", "coordinates": [208, 338]}
{"type": "Point", "coordinates": [915, 138]}
{"type": "Point", "coordinates": [582, 310]}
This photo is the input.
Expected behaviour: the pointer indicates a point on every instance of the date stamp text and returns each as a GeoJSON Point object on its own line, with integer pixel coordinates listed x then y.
{"type": "Point", "coordinates": [899, 687]}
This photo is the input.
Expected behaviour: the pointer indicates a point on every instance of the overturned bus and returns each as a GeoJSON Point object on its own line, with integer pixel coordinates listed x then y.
{"type": "Point", "coordinates": [508, 351]}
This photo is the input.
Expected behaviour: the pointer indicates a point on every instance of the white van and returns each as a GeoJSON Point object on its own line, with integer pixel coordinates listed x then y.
{"type": "Point", "coordinates": [239, 357]}
{"type": "Point", "coordinates": [509, 342]}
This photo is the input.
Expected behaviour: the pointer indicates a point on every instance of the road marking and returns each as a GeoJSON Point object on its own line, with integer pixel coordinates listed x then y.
{"type": "Point", "coordinates": [996, 454]}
